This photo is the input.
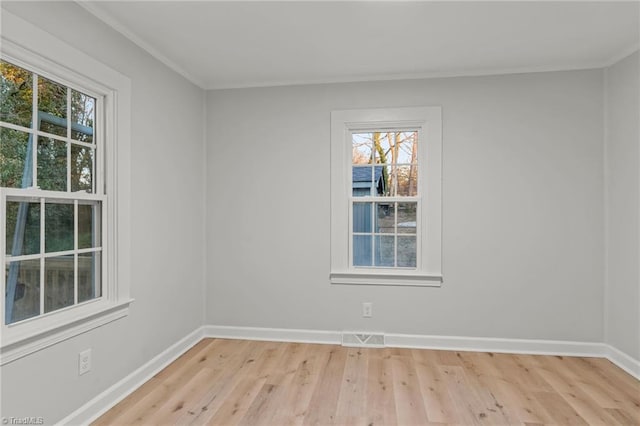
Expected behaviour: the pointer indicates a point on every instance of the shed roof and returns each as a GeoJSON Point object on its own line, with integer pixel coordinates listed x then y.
{"type": "Point", "coordinates": [363, 174]}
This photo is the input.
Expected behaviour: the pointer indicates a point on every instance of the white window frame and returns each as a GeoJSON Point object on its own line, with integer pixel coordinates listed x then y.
{"type": "Point", "coordinates": [27, 46]}
{"type": "Point", "coordinates": [427, 121]}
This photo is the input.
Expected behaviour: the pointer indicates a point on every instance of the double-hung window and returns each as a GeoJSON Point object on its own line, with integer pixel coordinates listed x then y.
{"type": "Point", "coordinates": [386, 196]}
{"type": "Point", "coordinates": [62, 209]}
{"type": "Point", "coordinates": [52, 203]}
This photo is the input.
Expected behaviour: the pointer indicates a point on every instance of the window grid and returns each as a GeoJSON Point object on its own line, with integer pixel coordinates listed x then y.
{"type": "Point", "coordinates": [395, 234]}
{"type": "Point", "coordinates": [31, 193]}
{"type": "Point", "coordinates": [43, 255]}
{"type": "Point", "coordinates": [368, 153]}
{"type": "Point", "coordinates": [37, 134]}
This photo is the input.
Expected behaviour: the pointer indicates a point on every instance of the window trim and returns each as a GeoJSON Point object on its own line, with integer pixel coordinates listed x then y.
{"type": "Point", "coordinates": [428, 122]}
{"type": "Point", "coordinates": [27, 46]}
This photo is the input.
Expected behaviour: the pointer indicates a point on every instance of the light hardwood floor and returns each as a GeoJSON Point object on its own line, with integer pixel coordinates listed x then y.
{"type": "Point", "coordinates": [228, 382]}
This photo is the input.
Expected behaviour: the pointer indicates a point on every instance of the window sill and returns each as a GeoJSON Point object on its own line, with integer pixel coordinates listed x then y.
{"type": "Point", "coordinates": [21, 343]}
{"type": "Point", "coordinates": [386, 279]}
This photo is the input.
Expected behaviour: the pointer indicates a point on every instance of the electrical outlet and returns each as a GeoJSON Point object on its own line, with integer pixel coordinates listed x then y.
{"type": "Point", "coordinates": [84, 362]}
{"type": "Point", "coordinates": [367, 310]}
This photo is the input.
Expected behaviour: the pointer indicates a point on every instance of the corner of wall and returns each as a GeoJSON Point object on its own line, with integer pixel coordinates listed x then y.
{"type": "Point", "coordinates": [605, 200]}
{"type": "Point", "coordinates": [619, 132]}
{"type": "Point", "coordinates": [205, 240]}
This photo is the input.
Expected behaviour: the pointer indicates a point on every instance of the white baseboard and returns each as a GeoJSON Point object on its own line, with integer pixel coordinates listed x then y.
{"type": "Point", "coordinates": [116, 393]}
{"type": "Point", "coordinates": [110, 397]}
{"type": "Point", "coordinates": [480, 344]}
{"type": "Point", "coordinates": [624, 361]}
{"type": "Point", "coordinates": [484, 344]}
{"type": "Point", "coordinates": [273, 334]}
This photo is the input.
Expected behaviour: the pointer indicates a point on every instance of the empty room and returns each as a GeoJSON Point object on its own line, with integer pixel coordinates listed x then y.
{"type": "Point", "coordinates": [320, 212]}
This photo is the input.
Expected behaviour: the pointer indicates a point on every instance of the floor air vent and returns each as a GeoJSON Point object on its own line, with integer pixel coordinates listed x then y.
{"type": "Point", "coordinates": [364, 340]}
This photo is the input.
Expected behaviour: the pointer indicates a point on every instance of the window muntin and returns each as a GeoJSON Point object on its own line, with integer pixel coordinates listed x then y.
{"type": "Point", "coordinates": [52, 213]}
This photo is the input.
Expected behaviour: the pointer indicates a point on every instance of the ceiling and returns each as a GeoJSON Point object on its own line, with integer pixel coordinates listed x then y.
{"type": "Point", "coordinates": [246, 44]}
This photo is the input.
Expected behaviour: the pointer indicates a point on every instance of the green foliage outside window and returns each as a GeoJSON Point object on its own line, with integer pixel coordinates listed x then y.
{"type": "Point", "coordinates": [16, 108]}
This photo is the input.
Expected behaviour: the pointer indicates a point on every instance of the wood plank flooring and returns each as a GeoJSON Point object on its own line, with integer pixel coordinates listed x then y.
{"type": "Point", "coordinates": [239, 382]}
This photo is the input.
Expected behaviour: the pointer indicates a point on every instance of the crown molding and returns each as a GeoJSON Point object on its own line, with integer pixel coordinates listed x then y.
{"type": "Point", "coordinates": [413, 76]}
{"type": "Point", "coordinates": [92, 8]}
{"type": "Point", "coordinates": [630, 50]}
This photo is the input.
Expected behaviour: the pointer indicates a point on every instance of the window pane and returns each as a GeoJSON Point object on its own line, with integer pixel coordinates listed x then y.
{"type": "Point", "coordinates": [407, 150]}
{"type": "Point", "coordinates": [407, 251]}
{"type": "Point", "coordinates": [52, 107]}
{"type": "Point", "coordinates": [385, 250]}
{"type": "Point", "coordinates": [52, 164]}
{"type": "Point", "coordinates": [407, 177]}
{"type": "Point", "coordinates": [362, 250]}
{"type": "Point", "coordinates": [52, 124]}
{"type": "Point", "coordinates": [407, 218]}
{"type": "Point", "coordinates": [58, 227]}
{"type": "Point", "coordinates": [362, 182]}
{"type": "Point", "coordinates": [23, 281]}
{"type": "Point", "coordinates": [58, 282]}
{"type": "Point", "coordinates": [362, 144]}
{"type": "Point", "coordinates": [81, 168]}
{"type": "Point", "coordinates": [89, 225]}
{"type": "Point", "coordinates": [89, 267]}
{"type": "Point", "coordinates": [82, 116]}
{"type": "Point", "coordinates": [382, 147]}
{"type": "Point", "coordinates": [381, 180]}
{"type": "Point", "coordinates": [385, 218]}
{"type": "Point", "coordinates": [369, 181]}
{"type": "Point", "coordinates": [15, 171]}
{"type": "Point", "coordinates": [16, 95]}
{"type": "Point", "coordinates": [362, 217]}
{"type": "Point", "coordinates": [22, 228]}
{"type": "Point", "coordinates": [395, 147]}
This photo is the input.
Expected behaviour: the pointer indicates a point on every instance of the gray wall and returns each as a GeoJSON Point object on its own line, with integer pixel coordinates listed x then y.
{"type": "Point", "coordinates": [166, 223]}
{"type": "Point", "coordinates": [523, 214]}
{"type": "Point", "coordinates": [523, 209]}
{"type": "Point", "coordinates": [622, 288]}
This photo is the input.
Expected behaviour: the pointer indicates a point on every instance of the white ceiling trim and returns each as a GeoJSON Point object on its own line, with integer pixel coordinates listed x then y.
{"type": "Point", "coordinates": [416, 76]}
{"type": "Point", "coordinates": [621, 55]}
{"type": "Point", "coordinates": [113, 23]}
{"type": "Point", "coordinates": [117, 26]}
